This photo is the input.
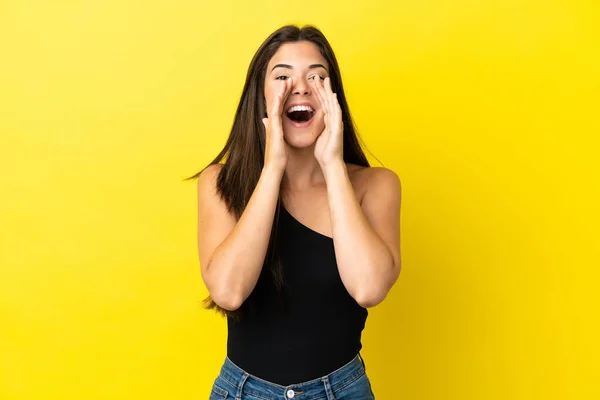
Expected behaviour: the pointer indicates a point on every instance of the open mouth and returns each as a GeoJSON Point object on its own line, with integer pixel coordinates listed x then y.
{"type": "Point", "coordinates": [300, 114]}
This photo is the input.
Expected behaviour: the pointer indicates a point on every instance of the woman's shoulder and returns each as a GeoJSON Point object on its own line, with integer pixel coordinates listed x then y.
{"type": "Point", "coordinates": [370, 174]}
{"type": "Point", "coordinates": [209, 173]}
{"type": "Point", "coordinates": [365, 179]}
{"type": "Point", "coordinates": [207, 179]}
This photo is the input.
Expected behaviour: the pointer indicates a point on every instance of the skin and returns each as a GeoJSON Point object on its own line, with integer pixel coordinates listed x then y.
{"type": "Point", "coordinates": [359, 208]}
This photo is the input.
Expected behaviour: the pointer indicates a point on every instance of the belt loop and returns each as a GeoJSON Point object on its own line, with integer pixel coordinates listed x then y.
{"type": "Point", "coordinates": [238, 395]}
{"type": "Point", "coordinates": [328, 389]}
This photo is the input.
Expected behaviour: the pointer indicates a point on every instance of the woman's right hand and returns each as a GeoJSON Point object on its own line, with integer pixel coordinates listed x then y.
{"type": "Point", "coordinates": [275, 149]}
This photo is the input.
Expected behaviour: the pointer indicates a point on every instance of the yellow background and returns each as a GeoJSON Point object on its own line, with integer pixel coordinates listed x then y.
{"type": "Point", "coordinates": [487, 110]}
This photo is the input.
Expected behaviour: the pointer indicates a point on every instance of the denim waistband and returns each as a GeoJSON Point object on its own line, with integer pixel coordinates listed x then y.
{"type": "Point", "coordinates": [331, 382]}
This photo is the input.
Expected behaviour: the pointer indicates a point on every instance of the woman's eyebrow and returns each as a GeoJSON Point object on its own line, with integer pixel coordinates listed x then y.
{"type": "Point", "coordinates": [312, 66]}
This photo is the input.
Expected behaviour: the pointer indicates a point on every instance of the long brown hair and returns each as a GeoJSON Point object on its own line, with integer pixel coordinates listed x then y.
{"type": "Point", "coordinates": [244, 151]}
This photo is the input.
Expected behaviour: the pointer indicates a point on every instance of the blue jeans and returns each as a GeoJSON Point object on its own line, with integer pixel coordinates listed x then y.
{"type": "Point", "coordinates": [349, 382]}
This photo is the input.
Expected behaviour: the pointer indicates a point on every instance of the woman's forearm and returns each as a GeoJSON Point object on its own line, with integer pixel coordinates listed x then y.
{"type": "Point", "coordinates": [236, 263]}
{"type": "Point", "coordinates": [365, 263]}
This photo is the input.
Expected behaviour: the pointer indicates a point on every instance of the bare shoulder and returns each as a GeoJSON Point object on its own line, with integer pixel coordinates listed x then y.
{"type": "Point", "coordinates": [373, 180]}
{"type": "Point", "coordinates": [207, 180]}
{"type": "Point", "coordinates": [210, 172]}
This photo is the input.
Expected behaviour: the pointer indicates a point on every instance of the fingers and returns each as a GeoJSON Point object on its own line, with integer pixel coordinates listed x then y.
{"type": "Point", "coordinates": [333, 103]}
{"type": "Point", "coordinates": [327, 85]}
{"type": "Point", "coordinates": [277, 100]}
{"type": "Point", "coordinates": [325, 92]}
{"type": "Point", "coordinates": [288, 89]}
{"type": "Point", "coordinates": [282, 94]}
{"type": "Point", "coordinates": [329, 102]}
{"type": "Point", "coordinates": [320, 95]}
{"type": "Point", "coordinates": [334, 106]}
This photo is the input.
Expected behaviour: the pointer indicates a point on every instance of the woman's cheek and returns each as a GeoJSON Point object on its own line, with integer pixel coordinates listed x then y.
{"type": "Point", "coordinates": [319, 124]}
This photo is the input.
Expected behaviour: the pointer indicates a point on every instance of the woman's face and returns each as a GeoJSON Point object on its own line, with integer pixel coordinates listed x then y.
{"type": "Point", "coordinates": [303, 62]}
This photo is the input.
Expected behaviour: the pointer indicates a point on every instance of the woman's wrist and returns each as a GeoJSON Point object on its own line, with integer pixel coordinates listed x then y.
{"type": "Point", "coordinates": [273, 171]}
{"type": "Point", "coordinates": [334, 169]}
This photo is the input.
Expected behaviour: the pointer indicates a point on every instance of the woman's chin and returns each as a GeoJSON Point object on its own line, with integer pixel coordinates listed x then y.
{"type": "Point", "coordinates": [299, 143]}
{"type": "Point", "coordinates": [300, 139]}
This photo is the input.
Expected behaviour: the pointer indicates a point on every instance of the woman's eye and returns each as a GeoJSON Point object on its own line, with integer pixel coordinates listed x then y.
{"type": "Point", "coordinates": [282, 77]}
{"type": "Point", "coordinates": [315, 77]}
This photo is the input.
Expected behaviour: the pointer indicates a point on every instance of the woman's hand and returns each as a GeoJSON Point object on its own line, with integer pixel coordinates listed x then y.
{"type": "Point", "coordinates": [329, 148]}
{"type": "Point", "coordinates": [275, 147]}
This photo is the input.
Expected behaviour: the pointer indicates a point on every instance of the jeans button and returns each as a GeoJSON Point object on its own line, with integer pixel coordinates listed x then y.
{"type": "Point", "coordinates": [290, 394]}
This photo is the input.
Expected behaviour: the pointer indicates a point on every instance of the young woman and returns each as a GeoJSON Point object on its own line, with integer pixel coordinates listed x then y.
{"type": "Point", "coordinates": [297, 235]}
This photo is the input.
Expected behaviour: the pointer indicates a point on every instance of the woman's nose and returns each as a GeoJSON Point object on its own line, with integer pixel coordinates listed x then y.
{"type": "Point", "coordinates": [301, 86]}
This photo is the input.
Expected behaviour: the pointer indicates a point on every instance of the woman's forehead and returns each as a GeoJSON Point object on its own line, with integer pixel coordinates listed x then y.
{"type": "Point", "coordinates": [297, 55]}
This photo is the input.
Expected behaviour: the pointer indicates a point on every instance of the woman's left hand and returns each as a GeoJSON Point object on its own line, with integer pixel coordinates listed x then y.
{"type": "Point", "coordinates": [329, 148]}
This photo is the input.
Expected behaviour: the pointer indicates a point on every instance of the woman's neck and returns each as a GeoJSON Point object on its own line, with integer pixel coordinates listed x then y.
{"type": "Point", "coordinates": [302, 170]}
